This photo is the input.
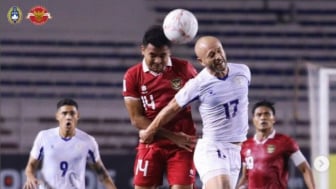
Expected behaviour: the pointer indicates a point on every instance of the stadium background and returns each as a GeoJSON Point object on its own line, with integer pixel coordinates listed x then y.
{"type": "Point", "coordinates": [83, 51]}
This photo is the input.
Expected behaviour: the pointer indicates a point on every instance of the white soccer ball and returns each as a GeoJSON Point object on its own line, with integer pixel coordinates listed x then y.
{"type": "Point", "coordinates": [180, 26]}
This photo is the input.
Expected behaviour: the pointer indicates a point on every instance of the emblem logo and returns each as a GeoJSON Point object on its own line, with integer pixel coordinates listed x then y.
{"type": "Point", "coordinates": [270, 149]}
{"type": "Point", "coordinates": [14, 15]}
{"type": "Point", "coordinates": [176, 83]}
{"type": "Point", "coordinates": [38, 15]}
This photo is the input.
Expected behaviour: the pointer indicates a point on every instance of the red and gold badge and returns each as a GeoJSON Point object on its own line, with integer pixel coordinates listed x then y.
{"type": "Point", "coordinates": [38, 15]}
{"type": "Point", "coordinates": [176, 83]}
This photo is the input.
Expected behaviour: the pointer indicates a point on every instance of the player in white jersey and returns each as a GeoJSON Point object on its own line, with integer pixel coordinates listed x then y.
{"type": "Point", "coordinates": [64, 152]}
{"type": "Point", "coordinates": [222, 90]}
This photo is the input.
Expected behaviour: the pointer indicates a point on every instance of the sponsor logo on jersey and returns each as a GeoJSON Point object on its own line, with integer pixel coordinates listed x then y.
{"type": "Point", "coordinates": [176, 83]}
{"type": "Point", "coordinates": [14, 15]}
{"type": "Point", "coordinates": [248, 152]}
{"type": "Point", "coordinates": [38, 15]}
{"type": "Point", "coordinates": [144, 89]}
{"type": "Point", "coordinates": [270, 149]}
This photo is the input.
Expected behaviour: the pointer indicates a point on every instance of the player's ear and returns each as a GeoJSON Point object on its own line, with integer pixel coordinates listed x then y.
{"type": "Point", "coordinates": [56, 116]}
{"type": "Point", "coordinates": [142, 49]}
{"type": "Point", "coordinates": [200, 61]}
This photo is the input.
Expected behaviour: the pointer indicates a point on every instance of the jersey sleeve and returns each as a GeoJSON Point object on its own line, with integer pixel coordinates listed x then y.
{"type": "Point", "coordinates": [297, 158]}
{"type": "Point", "coordinates": [130, 85]}
{"type": "Point", "coordinates": [188, 93]}
{"type": "Point", "coordinates": [94, 154]}
{"type": "Point", "coordinates": [291, 146]}
{"type": "Point", "coordinates": [247, 72]}
{"type": "Point", "coordinates": [37, 149]}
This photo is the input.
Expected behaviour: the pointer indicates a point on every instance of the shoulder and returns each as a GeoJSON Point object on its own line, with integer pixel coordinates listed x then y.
{"type": "Point", "coordinates": [184, 67]}
{"type": "Point", "coordinates": [133, 69]}
{"type": "Point", "coordinates": [239, 68]}
{"type": "Point", "coordinates": [248, 142]}
{"type": "Point", "coordinates": [47, 132]}
{"type": "Point", "coordinates": [84, 135]}
{"type": "Point", "coordinates": [282, 136]}
{"type": "Point", "coordinates": [180, 63]}
{"type": "Point", "coordinates": [285, 139]}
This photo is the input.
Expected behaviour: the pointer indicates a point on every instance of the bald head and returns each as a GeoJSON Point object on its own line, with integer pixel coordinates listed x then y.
{"type": "Point", "coordinates": [204, 44]}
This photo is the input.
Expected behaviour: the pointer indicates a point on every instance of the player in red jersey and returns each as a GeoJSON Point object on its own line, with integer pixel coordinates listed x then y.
{"type": "Point", "coordinates": [148, 87]}
{"type": "Point", "coordinates": [265, 156]}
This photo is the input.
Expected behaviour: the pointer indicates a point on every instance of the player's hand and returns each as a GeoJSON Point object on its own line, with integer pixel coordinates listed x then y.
{"type": "Point", "coordinates": [31, 183]}
{"type": "Point", "coordinates": [145, 136]}
{"type": "Point", "coordinates": [184, 141]}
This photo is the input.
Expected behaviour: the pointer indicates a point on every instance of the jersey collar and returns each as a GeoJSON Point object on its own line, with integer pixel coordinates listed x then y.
{"type": "Point", "coordinates": [146, 69]}
{"type": "Point", "coordinates": [263, 141]}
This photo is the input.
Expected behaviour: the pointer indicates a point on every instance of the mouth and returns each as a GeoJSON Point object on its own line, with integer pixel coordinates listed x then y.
{"type": "Point", "coordinates": [264, 124]}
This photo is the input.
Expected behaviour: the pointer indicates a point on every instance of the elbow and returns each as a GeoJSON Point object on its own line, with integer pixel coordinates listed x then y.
{"type": "Point", "coordinates": [134, 124]}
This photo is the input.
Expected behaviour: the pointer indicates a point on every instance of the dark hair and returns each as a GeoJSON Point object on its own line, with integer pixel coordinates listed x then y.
{"type": "Point", "coordinates": [265, 103]}
{"type": "Point", "coordinates": [67, 102]}
{"type": "Point", "coordinates": [155, 36]}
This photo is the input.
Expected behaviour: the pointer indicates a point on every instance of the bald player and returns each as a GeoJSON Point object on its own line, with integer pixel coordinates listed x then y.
{"type": "Point", "coordinates": [222, 90]}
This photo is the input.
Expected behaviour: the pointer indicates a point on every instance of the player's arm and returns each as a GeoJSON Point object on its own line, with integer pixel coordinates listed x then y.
{"type": "Point", "coordinates": [136, 113]}
{"type": "Point", "coordinates": [103, 175]}
{"type": "Point", "coordinates": [164, 116]}
{"type": "Point", "coordinates": [30, 171]}
{"type": "Point", "coordinates": [302, 164]}
{"type": "Point", "coordinates": [307, 175]}
{"type": "Point", "coordinates": [140, 121]}
{"type": "Point", "coordinates": [242, 182]}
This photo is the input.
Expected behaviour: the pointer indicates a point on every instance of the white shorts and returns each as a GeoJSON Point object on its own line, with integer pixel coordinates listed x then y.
{"type": "Point", "coordinates": [213, 158]}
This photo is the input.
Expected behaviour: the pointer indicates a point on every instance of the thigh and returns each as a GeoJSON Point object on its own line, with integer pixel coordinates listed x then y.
{"type": "Point", "coordinates": [235, 165]}
{"type": "Point", "coordinates": [180, 168]}
{"type": "Point", "coordinates": [148, 166]}
{"type": "Point", "coordinates": [211, 159]}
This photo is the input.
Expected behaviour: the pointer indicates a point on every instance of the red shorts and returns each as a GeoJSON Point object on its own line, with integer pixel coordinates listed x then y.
{"type": "Point", "coordinates": [155, 160]}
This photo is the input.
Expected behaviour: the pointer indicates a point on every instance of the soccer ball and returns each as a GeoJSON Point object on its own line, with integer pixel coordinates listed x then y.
{"type": "Point", "coordinates": [180, 26]}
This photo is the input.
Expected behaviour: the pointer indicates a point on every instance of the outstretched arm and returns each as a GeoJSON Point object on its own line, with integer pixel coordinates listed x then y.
{"type": "Point", "coordinates": [103, 175]}
{"type": "Point", "coordinates": [31, 169]}
{"type": "Point", "coordinates": [307, 174]}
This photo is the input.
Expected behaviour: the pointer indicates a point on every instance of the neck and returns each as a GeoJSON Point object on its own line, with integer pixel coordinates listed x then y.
{"type": "Point", "coordinates": [66, 134]}
{"type": "Point", "coordinates": [221, 74]}
{"type": "Point", "coordinates": [262, 135]}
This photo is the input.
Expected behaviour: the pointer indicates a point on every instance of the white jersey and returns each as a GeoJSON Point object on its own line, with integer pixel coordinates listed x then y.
{"type": "Point", "coordinates": [223, 102]}
{"type": "Point", "coordinates": [64, 161]}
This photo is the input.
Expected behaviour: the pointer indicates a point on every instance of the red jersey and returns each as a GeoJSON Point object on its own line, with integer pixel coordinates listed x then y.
{"type": "Point", "coordinates": [155, 91]}
{"type": "Point", "coordinates": [267, 162]}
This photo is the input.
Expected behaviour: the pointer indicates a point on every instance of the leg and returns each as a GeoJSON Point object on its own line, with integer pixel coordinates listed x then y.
{"type": "Point", "coordinates": [141, 187]}
{"type": "Point", "coordinates": [181, 171]}
{"type": "Point", "coordinates": [148, 167]}
{"type": "Point", "coordinates": [220, 182]}
{"type": "Point", "coordinates": [182, 187]}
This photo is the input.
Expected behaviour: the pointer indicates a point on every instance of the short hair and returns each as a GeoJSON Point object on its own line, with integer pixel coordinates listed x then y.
{"type": "Point", "coordinates": [67, 102]}
{"type": "Point", "coordinates": [265, 103]}
{"type": "Point", "coordinates": [155, 36]}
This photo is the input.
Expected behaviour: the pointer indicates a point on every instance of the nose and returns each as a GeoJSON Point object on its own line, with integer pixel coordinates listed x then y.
{"type": "Point", "coordinates": [68, 116]}
{"type": "Point", "coordinates": [157, 60]}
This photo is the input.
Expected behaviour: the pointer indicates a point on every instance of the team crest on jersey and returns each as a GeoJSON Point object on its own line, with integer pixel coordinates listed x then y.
{"type": "Point", "coordinates": [176, 83]}
{"type": "Point", "coordinates": [270, 149]}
